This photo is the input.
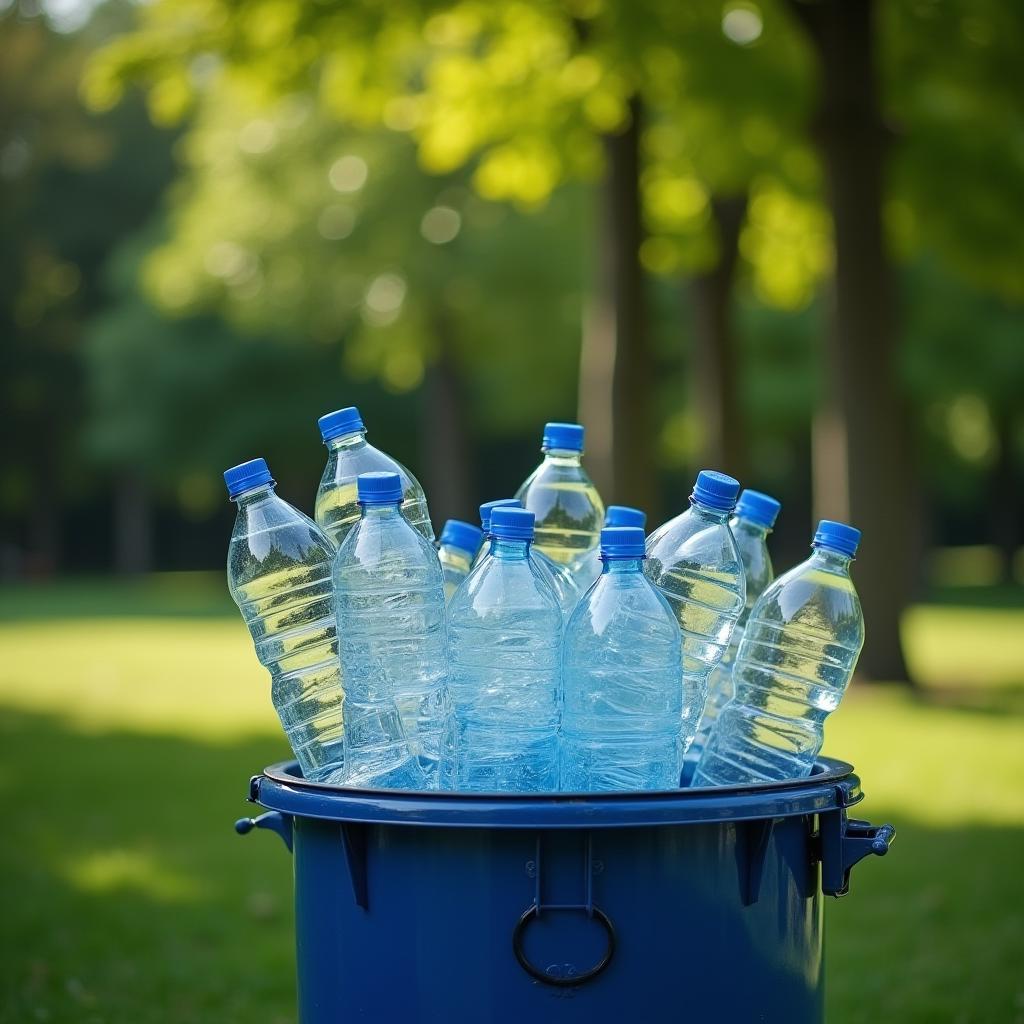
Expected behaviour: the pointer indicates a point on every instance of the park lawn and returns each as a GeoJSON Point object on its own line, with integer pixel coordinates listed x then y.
{"type": "Point", "coordinates": [129, 733]}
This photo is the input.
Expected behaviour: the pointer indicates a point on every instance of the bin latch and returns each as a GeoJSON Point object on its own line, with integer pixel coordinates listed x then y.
{"type": "Point", "coordinates": [535, 870]}
{"type": "Point", "coordinates": [844, 842]}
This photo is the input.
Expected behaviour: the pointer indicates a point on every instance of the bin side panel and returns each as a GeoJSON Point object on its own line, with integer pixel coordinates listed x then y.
{"type": "Point", "coordinates": [434, 942]}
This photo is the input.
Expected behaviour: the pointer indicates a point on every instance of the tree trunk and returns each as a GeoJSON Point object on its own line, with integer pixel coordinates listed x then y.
{"type": "Point", "coordinates": [715, 363]}
{"type": "Point", "coordinates": [1005, 502]}
{"type": "Point", "coordinates": [133, 539]}
{"type": "Point", "coordinates": [868, 430]}
{"type": "Point", "coordinates": [445, 455]}
{"type": "Point", "coordinates": [615, 360]}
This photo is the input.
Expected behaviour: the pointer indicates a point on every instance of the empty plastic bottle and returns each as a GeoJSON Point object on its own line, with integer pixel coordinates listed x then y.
{"type": "Point", "coordinates": [457, 548]}
{"type": "Point", "coordinates": [504, 641]}
{"type": "Point", "coordinates": [752, 522]}
{"type": "Point", "coordinates": [279, 575]}
{"type": "Point", "coordinates": [559, 576]}
{"type": "Point", "coordinates": [694, 562]}
{"type": "Point", "coordinates": [348, 455]}
{"type": "Point", "coordinates": [622, 679]}
{"type": "Point", "coordinates": [389, 593]}
{"type": "Point", "coordinates": [559, 493]}
{"type": "Point", "coordinates": [615, 515]}
{"type": "Point", "coordinates": [800, 648]}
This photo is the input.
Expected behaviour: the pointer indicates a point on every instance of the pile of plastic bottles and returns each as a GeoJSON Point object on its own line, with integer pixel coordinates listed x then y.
{"type": "Point", "coordinates": [555, 647]}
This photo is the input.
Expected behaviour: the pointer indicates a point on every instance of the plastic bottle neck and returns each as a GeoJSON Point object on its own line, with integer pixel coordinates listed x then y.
{"type": "Point", "coordinates": [749, 527]}
{"type": "Point", "coordinates": [355, 439]}
{"type": "Point", "coordinates": [830, 559]}
{"type": "Point", "coordinates": [388, 511]}
{"type": "Point", "coordinates": [253, 496]}
{"type": "Point", "coordinates": [563, 456]}
{"type": "Point", "coordinates": [621, 566]}
{"type": "Point", "coordinates": [509, 550]}
{"type": "Point", "coordinates": [707, 513]}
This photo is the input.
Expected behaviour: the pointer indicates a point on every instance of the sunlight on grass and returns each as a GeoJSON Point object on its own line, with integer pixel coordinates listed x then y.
{"type": "Point", "coordinates": [964, 646]}
{"type": "Point", "coordinates": [931, 764]}
{"type": "Point", "coordinates": [195, 678]}
{"type": "Point", "coordinates": [106, 871]}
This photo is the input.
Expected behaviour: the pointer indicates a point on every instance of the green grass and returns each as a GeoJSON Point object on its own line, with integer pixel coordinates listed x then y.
{"type": "Point", "coordinates": [132, 716]}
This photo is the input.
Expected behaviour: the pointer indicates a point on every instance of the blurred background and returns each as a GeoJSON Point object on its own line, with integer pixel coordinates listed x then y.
{"type": "Point", "coordinates": [781, 239]}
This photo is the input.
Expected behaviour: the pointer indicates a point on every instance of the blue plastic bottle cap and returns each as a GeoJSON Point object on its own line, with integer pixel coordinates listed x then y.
{"type": "Point", "coordinates": [489, 506]}
{"type": "Point", "coordinates": [716, 490]}
{"type": "Point", "coordinates": [837, 537]}
{"type": "Point", "coordinates": [462, 535]}
{"type": "Point", "coordinates": [510, 523]}
{"type": "Point", "coordinates": [340, 422]}
{"type": "Point", "coordinates": [758, 508]}
{"type": "Point", "coordinates": [623, 515]}
{"type": "Point", "coordinates": [379, 488]}
{"type": "Point", "coordinates": [246, 476]}
{"type": "Point", "coordinates": [622, 542]}
{"type": "Point", "coordinates": [566, 436]}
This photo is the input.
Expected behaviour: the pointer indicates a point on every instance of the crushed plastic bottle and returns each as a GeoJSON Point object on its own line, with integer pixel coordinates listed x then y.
{"type": "Point", "coordinates": [504, 635]}
{"type": "Point", "coordinates": [389, 592]}
{"type": "Point", "coordinates": [622, 679]}
{"type": "Point", "coordinates": [348, 455]}
{"type": "Point", "coordinates": [694, 562]}
{"type": "Point", "coordinates": [752, 522]}
{"type": "Point", "coordinates": [279, 575]}
{"type": "Point", "coordinates": [798, 654]}
{"type": "Point", "coordinates": [568, 508]}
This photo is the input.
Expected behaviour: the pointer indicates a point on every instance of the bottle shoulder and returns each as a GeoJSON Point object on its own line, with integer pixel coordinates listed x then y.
{"type": "Point", "coordinates": [691, 540]}
{"type": "Point", "coordinates": [817, 600]}
{"type": "Point", "coordinates": [273, 531]}
{"type": "Point", "coordinates": [625, 604]}
{"type": "Point", "coordinates": [498, 588]}
{"type": "Point", "coordinates": [375, 546]}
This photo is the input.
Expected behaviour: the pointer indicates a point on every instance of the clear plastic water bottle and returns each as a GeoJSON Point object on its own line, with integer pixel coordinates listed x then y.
{"type": "Point", "coordinates": [559, 493]}
{"type": "Point", "coordinates": [348, 455]}
{"type": "Point", "coordinates": [622, 679]}
{"type": "Point", "coordinates": [389, 593]}
{"type": "Point", "coordinates": [504, 641]}
{"type": "Point", "coordinates": [693, 560]}
{"type": "Point", "coordinates": [279, 575]}
{"type": "Point", "coordinates": [559, 576]}
{"type": "Point", "coordinates": [456, 550]}
{"type": "Point", "coordinates": [753, 521]}
{"type": "Point", "coordinates": [615, 515]}
{"type": "Point", "coordinates": [800, 648]}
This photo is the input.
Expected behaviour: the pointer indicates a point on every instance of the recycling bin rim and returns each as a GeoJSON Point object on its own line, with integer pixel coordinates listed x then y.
{"type": "Point", "coordinates": [831, 786]}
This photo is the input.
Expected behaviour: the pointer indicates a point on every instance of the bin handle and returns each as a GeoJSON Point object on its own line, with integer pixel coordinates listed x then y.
{"type": "Point", "coordinates": [531, 913]}
{"type": "Point", "coordinates": [275, 821]}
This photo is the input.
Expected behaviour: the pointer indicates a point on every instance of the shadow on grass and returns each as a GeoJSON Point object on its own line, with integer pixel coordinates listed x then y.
{"type": "Point", "coordinates": [128, 897]}
{"type": "Point", "coordinates": [130, 900]}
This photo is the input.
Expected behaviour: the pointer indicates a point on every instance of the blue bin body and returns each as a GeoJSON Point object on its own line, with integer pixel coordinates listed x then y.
{"type": "Point", "coordinates": [435, 908]}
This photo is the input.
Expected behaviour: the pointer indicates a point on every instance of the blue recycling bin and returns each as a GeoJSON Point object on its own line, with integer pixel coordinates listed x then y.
{"type": "Point", "coordinates": [451, 908]}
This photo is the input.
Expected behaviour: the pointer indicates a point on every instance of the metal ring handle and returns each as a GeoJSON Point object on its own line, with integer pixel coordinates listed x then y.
{"type": "Point", "coordinates": [549, 979]}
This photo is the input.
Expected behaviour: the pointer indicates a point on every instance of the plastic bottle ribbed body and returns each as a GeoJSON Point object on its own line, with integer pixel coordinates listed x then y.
{"type": "Point", "coordinates": [693, 560]}
{"type": "Point", "coordinates": [568, 508]}
{"type": "Point", "coordinates": [623, 691]}
{"type": "Point", "coordinates": [337, 508]}
{"type": "Point", "coordinates": [455, 566]}
{"type": "Point", "coordinates": [751, 540]}
{"type": "Point", "coordinates": [389, 594]}
{"type": "Point", "coordinates": [504, 637]}
{"type": "Point", "coordinates": [799, 650]}
{"type": "Point", "coordinates": [279, 575]}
